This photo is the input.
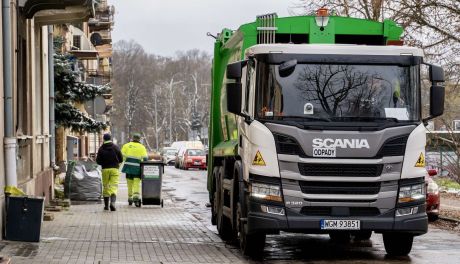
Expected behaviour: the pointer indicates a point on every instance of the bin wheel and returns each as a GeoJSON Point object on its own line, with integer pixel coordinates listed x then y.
{"type": "Point", "coordinates": [161, 203]}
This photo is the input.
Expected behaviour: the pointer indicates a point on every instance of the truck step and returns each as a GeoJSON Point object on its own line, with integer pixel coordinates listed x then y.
{"type": "Point", "coordinates": [227, 184]}
{"type": "Point", "coordinates": [227, 211]}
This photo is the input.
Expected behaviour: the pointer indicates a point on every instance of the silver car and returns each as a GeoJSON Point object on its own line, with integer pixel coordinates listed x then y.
{"type": "Point", "coordinates": [168, 155]}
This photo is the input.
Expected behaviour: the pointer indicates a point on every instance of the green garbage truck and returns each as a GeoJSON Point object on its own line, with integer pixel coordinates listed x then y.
{"type": "Point", "coordinates": [317, 127]}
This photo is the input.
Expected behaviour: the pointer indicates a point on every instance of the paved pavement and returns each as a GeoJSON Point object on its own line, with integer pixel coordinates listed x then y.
{"type": "Point", "coordinates": [87, 234]}
{"type": "Point", "coordinates": [181, 233]}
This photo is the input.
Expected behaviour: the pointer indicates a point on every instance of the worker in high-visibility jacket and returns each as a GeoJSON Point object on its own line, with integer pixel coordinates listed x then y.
{"type": "Point", "coordinates": [133, 153]}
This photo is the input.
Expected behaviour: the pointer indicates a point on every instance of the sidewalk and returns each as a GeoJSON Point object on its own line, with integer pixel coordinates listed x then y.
{"type": "Point", "coordinates": [87, 234]}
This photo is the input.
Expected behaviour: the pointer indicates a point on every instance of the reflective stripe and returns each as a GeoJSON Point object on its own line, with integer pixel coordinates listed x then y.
{"type": "Point", "coordinates": [132, 164]}
{"type": "Point", "coordinates": [133, 157]}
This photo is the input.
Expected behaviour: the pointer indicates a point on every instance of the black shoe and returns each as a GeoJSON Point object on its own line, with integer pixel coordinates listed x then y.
{"type": "Point", "coordinates": [113, 199]}
{"type": "Point", "coordinates": [106, 203]}
{"type": "Point", "coordinates": [130, 201]}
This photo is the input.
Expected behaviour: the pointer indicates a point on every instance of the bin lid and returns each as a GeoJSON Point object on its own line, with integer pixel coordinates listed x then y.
{"type": "Point", "coordinates": [150, 162]}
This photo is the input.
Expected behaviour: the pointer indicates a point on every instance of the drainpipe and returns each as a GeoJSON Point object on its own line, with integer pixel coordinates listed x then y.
{"type": "Point", "coordinates": [10, 142]}
{"type": "Point", "coordinates": [51, 99]}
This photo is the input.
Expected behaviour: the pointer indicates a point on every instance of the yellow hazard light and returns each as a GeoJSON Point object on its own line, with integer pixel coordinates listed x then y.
{"type": "Point", "coordinates": [322, 18]}
{"type": "Point", "coordinates": [322, 12]}
{"type": "Point", "coordinates": [395, 43]}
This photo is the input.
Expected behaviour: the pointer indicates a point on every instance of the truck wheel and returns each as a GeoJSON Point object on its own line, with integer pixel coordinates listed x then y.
{"type": "Point", "coordinates": [398, 244]}
{"type": "Point", "coordinates": [224, 226]}
{"type": "Point", "coordinates": [363, 235]}
{"type": "Point", "coordinates": [251, 244]}
{"type": "Point", "coordinates": [432, 217]}
{"type": "Point", "coordinates": [340, 237]}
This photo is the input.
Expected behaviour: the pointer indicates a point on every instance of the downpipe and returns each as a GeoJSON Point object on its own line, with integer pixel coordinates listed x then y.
{"type": "Point", "coordinates": [51, 99]}
{"type": "Point", "coordinates": [10, 141]}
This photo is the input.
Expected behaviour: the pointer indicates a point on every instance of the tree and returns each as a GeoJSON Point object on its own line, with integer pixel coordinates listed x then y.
{"type": "Point", "coordinates": [70, 90]}
{"type": "Point", "coordinates": [157, 95]}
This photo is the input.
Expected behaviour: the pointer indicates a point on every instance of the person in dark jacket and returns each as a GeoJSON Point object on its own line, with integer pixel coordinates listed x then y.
{"type": "Point", "coordinates": [109, 157]}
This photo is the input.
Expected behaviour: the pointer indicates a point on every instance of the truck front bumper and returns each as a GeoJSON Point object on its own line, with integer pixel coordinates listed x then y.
{"type": "Point", "coordinates": [258, 221]}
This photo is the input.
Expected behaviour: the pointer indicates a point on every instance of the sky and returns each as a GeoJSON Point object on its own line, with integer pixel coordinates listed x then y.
{"type": "Point", "coordinates": [163, 27]}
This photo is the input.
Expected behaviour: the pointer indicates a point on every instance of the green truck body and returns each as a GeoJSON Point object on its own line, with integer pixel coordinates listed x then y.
{"type": "Point", "coordinates": [231, 45]}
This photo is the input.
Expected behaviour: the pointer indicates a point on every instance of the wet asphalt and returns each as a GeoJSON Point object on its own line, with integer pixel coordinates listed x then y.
{"type": "Point", "coordinates": [188, 190]}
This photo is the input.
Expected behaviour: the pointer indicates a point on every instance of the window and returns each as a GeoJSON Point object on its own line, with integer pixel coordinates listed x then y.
{"type": "Point", "coordinates": [195, 152]}
{"type": "Point", "coordinates": [249, 80]}
{"type": "Point", "coordinates": [456, 125]}
{"type": "Point", "coordinates": [337, 92]}
{"type": "Point", "coordinates": [77, 42]}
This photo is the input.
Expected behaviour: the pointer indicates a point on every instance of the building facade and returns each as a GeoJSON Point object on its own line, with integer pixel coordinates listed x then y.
{"type": "Point", "coordinates": [26, 161]}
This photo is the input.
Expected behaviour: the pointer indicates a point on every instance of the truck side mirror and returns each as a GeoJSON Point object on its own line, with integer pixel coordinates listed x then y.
{"type": "Point", "coordinates": [436, 73]}
{"type": "Point", "coordinates": [234, 94]}
{"type": "Point", "coordinates": [437, 95]}
{"type": "Point", "coordinates": [234, 70]}
{"type": "Point", "coordinates": [437, 92]}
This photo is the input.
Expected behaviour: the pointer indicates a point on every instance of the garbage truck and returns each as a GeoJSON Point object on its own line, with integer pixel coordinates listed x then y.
{"type": "Point", "coordinates": [316, 126]}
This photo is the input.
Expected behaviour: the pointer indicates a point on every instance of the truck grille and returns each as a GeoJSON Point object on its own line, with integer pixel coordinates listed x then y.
{"type": "Point", "coordinates": [341, 170]}
{"type": "Point", "coordinates": [345, 211]}
{"type": "Point", "coordinates": [394, 147]}
{"type": "Point", "coordinates": [358, 188]}
{"type": "Point", "coordinates": [288, 145]}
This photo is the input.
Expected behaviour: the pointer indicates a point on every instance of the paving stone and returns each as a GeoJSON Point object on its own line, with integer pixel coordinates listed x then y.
{"type": "Point", "coordinates": [150, 234]}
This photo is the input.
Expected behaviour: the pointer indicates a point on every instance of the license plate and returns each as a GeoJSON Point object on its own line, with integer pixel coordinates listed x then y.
{"type": "Point", "coordinates": [340, 224]}
{"type": "Point", "coordinates": [197, 163]}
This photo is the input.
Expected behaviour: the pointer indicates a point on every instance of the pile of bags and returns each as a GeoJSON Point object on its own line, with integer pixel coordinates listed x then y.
{"type": "Point", "coordinates": [83, 181]}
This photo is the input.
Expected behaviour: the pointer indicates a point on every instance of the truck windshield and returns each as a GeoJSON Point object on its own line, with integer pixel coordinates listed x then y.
{"type": "Point", "coordinates": [337, 93]}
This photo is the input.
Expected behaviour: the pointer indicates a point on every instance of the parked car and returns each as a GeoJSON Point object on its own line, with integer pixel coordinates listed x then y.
{"type": "Point", "coordinates": [168, 155]}
{"type": "Point", "coordinates": [180, 158]}
{"type": "Point", "coordinates": [190, 144]}
{"type": "Point", "coordinates": [433, 198]}
{"type": "Point", "coordinates": [194, 158]}
{"type": "Point", "coordinates": [181, 146]}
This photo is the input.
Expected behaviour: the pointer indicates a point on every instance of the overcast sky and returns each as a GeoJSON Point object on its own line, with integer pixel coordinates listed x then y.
{"type": "Point", "coordinates": [166, 26]}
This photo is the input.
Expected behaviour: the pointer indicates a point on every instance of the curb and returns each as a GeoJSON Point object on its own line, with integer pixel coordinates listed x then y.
{"type": "Point", "coordinates": [449, 219]}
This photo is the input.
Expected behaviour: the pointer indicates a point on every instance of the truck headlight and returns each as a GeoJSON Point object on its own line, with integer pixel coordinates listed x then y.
{"type": "Point", "coordinates": [411, 193]}
{"type": "Point", "coordinates": [432, 188]}
{"type": "Point", "coordinates": [266, 191]}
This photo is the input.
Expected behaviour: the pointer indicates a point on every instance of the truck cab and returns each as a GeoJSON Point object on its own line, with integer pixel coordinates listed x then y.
{"type": "Point", "coordinates": [330, 139]}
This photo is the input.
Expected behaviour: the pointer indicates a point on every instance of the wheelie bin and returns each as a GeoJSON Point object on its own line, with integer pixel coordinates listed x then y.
{"type": "Point", "coordinates": [152, 177]}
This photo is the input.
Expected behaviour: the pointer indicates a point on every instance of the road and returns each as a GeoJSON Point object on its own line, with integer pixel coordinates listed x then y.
{"type": "Point", "coordinates": [188, 189]}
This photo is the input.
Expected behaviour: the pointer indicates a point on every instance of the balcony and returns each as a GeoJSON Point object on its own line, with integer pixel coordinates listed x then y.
{"type": "Point", "coordinates": [102, 37]}
{"type": "Point", "coordinates": [99, 24]}
{"type": "Point", "coordinates": [49, 12]}
{"type": "Point", "coordinates": [103, 19]}
{"type": "Point", "coordinates": [106, 73]}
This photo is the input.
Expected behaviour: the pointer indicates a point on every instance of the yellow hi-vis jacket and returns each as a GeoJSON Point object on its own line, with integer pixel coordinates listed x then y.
{"type": "Point", "coordinates": [133, 154]}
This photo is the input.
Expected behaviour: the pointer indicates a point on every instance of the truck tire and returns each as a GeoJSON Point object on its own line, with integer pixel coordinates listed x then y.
{"type": "Point", "coordinates": [342, 237]}
{"type": "Point", "coordinates": [432, 217]}
{"type": "Point", "coordinates": [224, 226]}
{"type": "Point", "coordinates": [250, 244]}
{"type": "Point", "coordinates": [362, 235]}
{"type": "Point", "coordinates": [397, 244]}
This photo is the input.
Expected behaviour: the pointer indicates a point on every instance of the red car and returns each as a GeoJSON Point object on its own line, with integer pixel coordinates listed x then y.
{"type": "Point", "coordinates": [194, 158]}
{"type": "Point", "coordinates": [433, 198]}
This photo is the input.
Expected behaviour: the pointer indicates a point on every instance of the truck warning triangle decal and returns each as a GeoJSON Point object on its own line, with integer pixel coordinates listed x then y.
{"type": "Point", "coordinates": [258, 160]}
{"type": "Point", "coordinates": [420, 161]}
